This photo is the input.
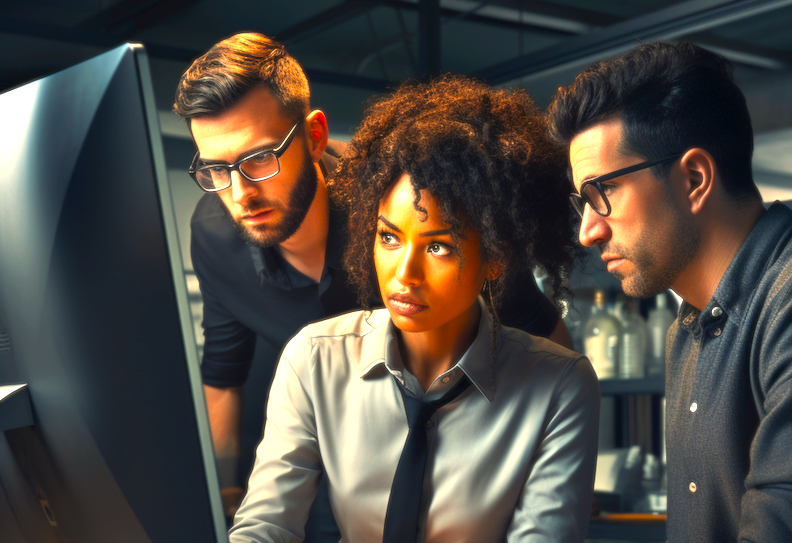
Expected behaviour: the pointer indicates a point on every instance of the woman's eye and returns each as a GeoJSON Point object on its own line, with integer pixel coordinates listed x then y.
{"type": "Point", "coordinates": [438, 249]}
{"type": "Point", "coordinates": [386, 238]}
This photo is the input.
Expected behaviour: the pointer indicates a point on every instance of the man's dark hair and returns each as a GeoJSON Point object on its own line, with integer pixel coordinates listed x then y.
{"type": "Point", "coordinates": [483, 154]}
{"type": "Point", "coordinates": [670, 98]}
{"type": "Point", "coordinates": [224, 74]}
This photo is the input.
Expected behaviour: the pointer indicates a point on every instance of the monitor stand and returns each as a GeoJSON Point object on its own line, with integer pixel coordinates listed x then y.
{"type": "Point", "coordinates": [15, 407]}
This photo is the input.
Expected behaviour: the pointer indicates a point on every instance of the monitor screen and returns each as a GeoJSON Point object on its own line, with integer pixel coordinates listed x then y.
{"type": "Point", "coordinates": [94, 318]}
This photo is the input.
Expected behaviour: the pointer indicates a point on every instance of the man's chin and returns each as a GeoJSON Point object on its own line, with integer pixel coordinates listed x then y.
{"type": "Point", "coordinates": [261, 236]}
{"type": "Point", "coordinates": [638, 287]}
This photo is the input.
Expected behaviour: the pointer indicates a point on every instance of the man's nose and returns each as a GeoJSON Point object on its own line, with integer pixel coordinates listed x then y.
{"type": "Point", "coordinates": [242, 189]}
{"type": "Point", "coordinates": [594, 229]}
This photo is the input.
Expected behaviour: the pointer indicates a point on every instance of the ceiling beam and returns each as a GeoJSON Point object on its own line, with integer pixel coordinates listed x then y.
{"type": "Point", "coordinates": [163, 52]}
{"type": "Point", "coordinates": [745, 53]}
{"type": "Point", "coordinates": [451, 15]}
{"type": "Point", "coordinates": [314, 76]}
{"type": "Point", "coordinates": [428, 38]}
{"type": "Point", "coordinates": [335, 16]}
{"type": "Point", "coordinates": [539, 14]}
{"type": "Point", "coordinates": [129, 18]}
{"type": "Point", "coordinates": [664, 24]}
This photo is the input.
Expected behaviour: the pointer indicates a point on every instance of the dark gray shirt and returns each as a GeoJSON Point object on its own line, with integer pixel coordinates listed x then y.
{"type": "Point", "coordinates": [729, 394]}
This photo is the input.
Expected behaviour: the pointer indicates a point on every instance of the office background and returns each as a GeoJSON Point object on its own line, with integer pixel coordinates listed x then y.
{"type": "Point", "coordinates": [354, 50]}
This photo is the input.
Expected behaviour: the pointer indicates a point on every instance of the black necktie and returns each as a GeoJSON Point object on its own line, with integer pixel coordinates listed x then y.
{"type": "Point", "coordinates": [401, 517]}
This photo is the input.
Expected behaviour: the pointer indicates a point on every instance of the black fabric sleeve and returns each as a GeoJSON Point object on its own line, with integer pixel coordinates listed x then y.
{"type": "Point", "coordinates": [228, 344]}
{"type": "Point", "coordinates": [525, 307]}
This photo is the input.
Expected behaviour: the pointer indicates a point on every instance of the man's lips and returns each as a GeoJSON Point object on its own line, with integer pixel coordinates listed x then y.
{"type": "Point", "coordinates": [613, 261]}
{"type": "Point", "coordinates": [256, 217]}
{"type": "Point", "coordinates": [405, 305]}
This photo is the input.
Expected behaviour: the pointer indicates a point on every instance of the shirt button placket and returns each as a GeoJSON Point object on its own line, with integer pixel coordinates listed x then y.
{"type": "Point", "coordinates": [716, 314]}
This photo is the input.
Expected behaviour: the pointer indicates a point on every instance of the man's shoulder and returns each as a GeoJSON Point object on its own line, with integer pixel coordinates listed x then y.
{"type": "Point", "coordinates": [209, 209]}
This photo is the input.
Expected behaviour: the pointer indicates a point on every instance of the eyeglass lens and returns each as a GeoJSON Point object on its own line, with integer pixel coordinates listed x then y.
{"type": "Point", "coordinates": [256, 168]}
{"type": "Point", "coordinates": [595, 198]}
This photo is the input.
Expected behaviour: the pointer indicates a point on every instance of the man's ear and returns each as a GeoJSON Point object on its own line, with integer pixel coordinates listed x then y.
{"type": "Point", "coordinates": [316, 126]}
{"type": "Point", "coordinates": [699, 177]}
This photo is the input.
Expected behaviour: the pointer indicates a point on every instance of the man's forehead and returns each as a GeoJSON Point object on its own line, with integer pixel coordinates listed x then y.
{"type": "Point", "coordinates": [254, 122]}
{"type": "Point", "coordinates": [594, 147]}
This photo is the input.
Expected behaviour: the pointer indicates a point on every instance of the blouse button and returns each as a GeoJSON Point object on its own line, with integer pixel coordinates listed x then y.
{"type": "Point", "coordinates": [692, 486]}
{"type": "Point", "coordinates": [693, 407]}
{"type": "Point", "coordinates": [446, 379]}
{"type": "Point", "coordinates": [717, 332]}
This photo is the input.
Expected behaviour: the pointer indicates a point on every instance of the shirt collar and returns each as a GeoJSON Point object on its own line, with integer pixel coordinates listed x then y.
{"type": "Point", "coordinates": [270, 265]}
{"type": "Point", "coordinates": [381, 350]}
{"type": "Point", "coordinates": [746, 269]}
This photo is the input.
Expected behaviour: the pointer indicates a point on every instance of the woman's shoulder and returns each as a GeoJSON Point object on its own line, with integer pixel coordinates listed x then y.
{"type": "Point", "coordinates": [523, 353]}
{"type": "Point", "coordinates": [353, 323]}
{"type": "Point", "coordinates": [519, 341]}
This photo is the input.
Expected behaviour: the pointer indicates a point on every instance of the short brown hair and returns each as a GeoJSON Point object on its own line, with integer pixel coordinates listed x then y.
{"type": "Point", "coordinates": [224, 74]}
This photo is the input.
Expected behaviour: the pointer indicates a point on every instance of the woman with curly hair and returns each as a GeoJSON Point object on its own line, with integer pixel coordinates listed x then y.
{"type": "Point", "coordinates": [430, 420]}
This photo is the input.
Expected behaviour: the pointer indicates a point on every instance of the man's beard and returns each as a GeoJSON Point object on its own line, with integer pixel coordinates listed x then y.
{"type": "Point", "coordinates": [300, 200]}
{"type": "Point", "coordinates": [658, 259]}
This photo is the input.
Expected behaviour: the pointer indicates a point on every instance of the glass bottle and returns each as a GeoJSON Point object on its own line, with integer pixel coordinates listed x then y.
{"type": "Point", "coordinates": [601, 339]}
{"type": "Point", "coordinates": [632, 343]}
{"type": "Point", "coordinates": [660, 318]}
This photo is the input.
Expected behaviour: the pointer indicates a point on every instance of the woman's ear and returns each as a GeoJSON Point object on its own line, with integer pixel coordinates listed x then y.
{"type": "Point", "coordinates": [493, 271]}
{"type": "Point", "coordinates": [316, 125]}
{"type": "Point", "coordinates": [699, 174]}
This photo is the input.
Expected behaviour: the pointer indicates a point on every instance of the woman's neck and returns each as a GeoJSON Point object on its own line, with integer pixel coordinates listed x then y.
{"type": "Point", "coordinates": [428, 354]}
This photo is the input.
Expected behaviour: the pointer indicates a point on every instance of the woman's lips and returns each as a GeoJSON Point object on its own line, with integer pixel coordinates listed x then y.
{"type": "Point", "coordinates": [404, 307]}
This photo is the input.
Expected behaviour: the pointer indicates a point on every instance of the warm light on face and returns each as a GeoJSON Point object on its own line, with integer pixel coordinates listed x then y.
{"type": "Point", "coordinates": [267, 212]}
{"type": "Point", "coordinates": [418, 266]}
{"type": "Point", "coordinates": [645, 241]}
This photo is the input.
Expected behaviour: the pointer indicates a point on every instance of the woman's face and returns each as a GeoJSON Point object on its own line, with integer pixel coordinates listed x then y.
{"type": "Point", "coordinates": [418, 266]}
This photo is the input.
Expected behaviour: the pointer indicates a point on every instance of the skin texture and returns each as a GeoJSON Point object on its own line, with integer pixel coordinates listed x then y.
{"type": "Point", "coordinates": [416, 260]}
{"type": "Point", "coordinates": [650, 237]}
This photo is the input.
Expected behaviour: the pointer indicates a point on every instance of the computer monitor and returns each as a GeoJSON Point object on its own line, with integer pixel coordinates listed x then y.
{"type": "Point", "coordinates": [94, 317]}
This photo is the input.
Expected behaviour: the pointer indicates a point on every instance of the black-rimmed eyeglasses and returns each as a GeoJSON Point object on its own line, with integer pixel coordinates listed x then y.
{"type": "Point", "coordinates": [592, 193]}
{"type": "Point", "coordinates": [256, 167]}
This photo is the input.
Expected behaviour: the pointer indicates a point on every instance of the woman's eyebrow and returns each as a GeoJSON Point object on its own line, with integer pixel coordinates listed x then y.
{"type": "Point", "coordinates": [445, 232]}
{"type": "Point", "coordinates": [389, 224]}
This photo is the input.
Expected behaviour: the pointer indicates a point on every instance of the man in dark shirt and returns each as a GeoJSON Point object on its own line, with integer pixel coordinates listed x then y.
{"type": "Point", "coordinates": [266, 241]}
{"type": "Point", "coordinates": [660, 145]}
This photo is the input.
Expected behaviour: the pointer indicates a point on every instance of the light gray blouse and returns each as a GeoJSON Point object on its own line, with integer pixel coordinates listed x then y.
{"type": "Point", "coordinates": [511, 459]}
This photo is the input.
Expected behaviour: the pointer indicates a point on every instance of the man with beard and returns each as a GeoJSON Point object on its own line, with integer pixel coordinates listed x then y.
{"type": "Point", "coordinates": [266, 241]}
{"type": "Point", "coordinates": [660, 145]}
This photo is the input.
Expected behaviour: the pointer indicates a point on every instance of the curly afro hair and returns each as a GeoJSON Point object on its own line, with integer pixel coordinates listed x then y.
{"type": "Point", "coordinates": [484, 155]}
